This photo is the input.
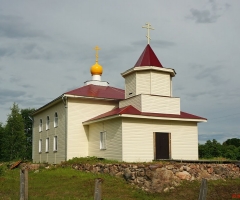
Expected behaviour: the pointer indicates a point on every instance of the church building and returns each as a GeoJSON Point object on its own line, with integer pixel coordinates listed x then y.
{"type": "Point", "coordinates": [141, 123]}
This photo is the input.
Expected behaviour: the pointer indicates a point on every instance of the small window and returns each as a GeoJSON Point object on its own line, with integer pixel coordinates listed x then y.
{"type": "Point", "coordinates": [103, 140]}
{"type": "Point", "coordinates": [47, 123]}
{"type": "Point", "coordinates": [55, 143]}
{"type": "Point", "coordinates": [47, 144]}
{"type": "Point", "coordinates": [40, 125]}
{"type": "Point", "coordinates": [40, 146]}
{"type": "Point", "coordinates": [55, 119]}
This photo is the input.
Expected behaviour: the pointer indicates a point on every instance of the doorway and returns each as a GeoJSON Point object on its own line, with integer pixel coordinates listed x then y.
{"type": "Point", "coordinates": [162, 146]}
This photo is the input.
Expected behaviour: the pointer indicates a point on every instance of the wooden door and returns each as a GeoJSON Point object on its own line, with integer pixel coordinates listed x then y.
{"type": "Point", "coordinates": [162, 145]}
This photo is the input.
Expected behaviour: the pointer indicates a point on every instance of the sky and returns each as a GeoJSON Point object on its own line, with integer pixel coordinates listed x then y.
{"type": "Point", "coordinates": [47, 49]}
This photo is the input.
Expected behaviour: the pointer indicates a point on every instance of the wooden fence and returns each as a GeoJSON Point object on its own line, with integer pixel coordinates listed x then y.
{"type": "Point", "coordinates": [97, 187]}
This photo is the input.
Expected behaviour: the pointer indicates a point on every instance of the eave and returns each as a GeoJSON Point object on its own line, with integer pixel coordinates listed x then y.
{"type": "Point", "coordinates": [58, 99]}
{"type": "Point", "coordinates": [92, 98]}
{"type": "Point", "coordinates": [151, 68]}
{"type": "Point", "coordinates": [51, 103]}
{"type": "Point", "coordinates": [143, 117]}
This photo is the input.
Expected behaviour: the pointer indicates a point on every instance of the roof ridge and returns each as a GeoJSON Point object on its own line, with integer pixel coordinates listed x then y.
{"type": "Point", "coordinates": [74, 89]}
{"type": "Point", "coordinates": [124, 108]}
{"type": "Point", "coordinates": [115, 88]}
{"type": "Point", "coordinates": [148, 58]}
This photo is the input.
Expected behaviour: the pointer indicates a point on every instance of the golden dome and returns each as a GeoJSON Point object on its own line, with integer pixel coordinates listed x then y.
{"type": "Point", "coordinates": [96, 69]}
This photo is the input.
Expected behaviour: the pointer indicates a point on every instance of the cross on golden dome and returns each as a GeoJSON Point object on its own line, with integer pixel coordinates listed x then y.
{"type": "Point", "coordinates": [96, 69]}
{"type": "Point", "coordinates": [97, 49]}
{"type": "Point", "coordinates": [148, 27]}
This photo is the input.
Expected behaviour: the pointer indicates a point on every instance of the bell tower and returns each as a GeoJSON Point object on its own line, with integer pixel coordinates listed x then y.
{"type": "Point", "coordinates": [148, 85]}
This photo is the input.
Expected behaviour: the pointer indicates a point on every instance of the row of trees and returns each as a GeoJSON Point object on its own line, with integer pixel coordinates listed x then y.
{"type": "Point", "coordinates": [16, 135]}
{"type": "Point", "coordinates": [212, 149]}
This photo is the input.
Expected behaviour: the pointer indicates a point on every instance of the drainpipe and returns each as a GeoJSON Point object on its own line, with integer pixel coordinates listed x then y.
{"type": "Point", "coordinates": [32, 135]}
{"type": "Point", "coordinates": [64, 99]}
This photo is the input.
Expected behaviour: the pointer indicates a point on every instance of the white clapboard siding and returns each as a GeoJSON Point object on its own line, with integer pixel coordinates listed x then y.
{"type": "Point", "coordinates": [160, 83]}
{"type": "Point", "coordinates": [59, 131]}
{"type": "Point", "coordinates": [159, 104]}
{"type": "Point", "coordinates": [153, 104]}
{"type": "Point", "coordinates": [130, 85]}
{"type": "Point", "coordinates": [185, 141]}
{"type": "Point", "coordinates": [143, 82]}
{"type": "Point", "coordinates": [113, 130]}
{"type": "Point", "coordinates": [80, 110]}
{"type": "Point", "coordinates": [134, 101]}
{"type": "Point", "coordinates": [138, 143]}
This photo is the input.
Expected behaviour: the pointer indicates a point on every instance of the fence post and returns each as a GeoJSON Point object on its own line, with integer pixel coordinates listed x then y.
{"type": "Point", "coordinates": [26, 184]}
{"type": "Point", "coordinates": [203, 190]}
{"type": "Point", "coordinates": [98, 189]}
{"type": "Point", "coordinates": [23, 184]}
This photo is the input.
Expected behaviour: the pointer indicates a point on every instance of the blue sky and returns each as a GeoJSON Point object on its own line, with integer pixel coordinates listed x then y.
{"type": "Point", "coordinates": [46, 49]}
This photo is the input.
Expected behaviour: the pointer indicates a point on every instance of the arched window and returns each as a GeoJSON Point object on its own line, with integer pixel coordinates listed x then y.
{"type": "Point", "coordinates": [55, 143]}
{"type": "Point", "coordinates": [47, 145]}
{"type": "Point", "coordinates": [40, 146]}
{"type": "Point", "coordinates": [40, 125]}
{"type": "Point", "coordinates": [47, 123]}
{"type": "Point", "coordinates": [55, 119]}
{"type": "Point", "coordinates": [103, 140]}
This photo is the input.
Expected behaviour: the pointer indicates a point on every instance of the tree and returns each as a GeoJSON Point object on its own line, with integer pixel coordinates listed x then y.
{"type": "Point", "coordinates": [14, 138]}
{"type": "Point", "coordinates": [26, 115]}
{"type": "Point", "coordinates": [1, 141]}
{"type": "Point", "coordinates": [230, 152]}
{"type": "Point", "coordinates": [210, 149]}
{"type": "Point", "coordinates": [232, 141]}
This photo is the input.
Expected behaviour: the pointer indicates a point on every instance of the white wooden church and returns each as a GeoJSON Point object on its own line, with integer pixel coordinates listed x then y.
{"type": "Point", "coordinates": [142, 123]}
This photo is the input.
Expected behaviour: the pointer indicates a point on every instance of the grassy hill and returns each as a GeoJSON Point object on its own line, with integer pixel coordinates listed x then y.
{"type": "Point", "coordinates": [67, 183]}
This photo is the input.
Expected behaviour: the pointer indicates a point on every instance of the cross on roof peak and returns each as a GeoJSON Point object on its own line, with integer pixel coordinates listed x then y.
{"type": "Point", "coordinates": [148, 27]}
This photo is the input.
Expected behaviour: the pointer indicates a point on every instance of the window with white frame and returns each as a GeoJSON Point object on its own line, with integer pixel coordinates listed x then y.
{"type": "Point", "coordinates": [40, 146]}
{"type": "Point", "coordinates": [103, 140]}
{"type": "Point", "coordinates": [47, 123]}
{"type": "Point", "coordinates": [55, 143]}
{"type": "Point", "coordinates": [55, 119]}
{"type": "Point", "coordinates": [40, 125]}
{"type": "Point", "coordinates": [47, 145]}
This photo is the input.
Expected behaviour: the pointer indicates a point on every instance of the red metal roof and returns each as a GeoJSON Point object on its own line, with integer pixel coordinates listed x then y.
{"type": "Point", "coordinates": [148, 58]}
{"type": "Point", "coordinates": [133, 111]}
{"type": "Point", "coordinates": [98, 92]}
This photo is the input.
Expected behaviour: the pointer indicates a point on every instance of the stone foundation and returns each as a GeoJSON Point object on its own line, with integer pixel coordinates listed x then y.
{"type": "Point", "coordinates": [163, 176]}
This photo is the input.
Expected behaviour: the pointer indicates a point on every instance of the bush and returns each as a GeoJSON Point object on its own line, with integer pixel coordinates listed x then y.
{"type": "Point", "coordinates": [89, 160]}
{"type": "Point", "coordinates": [2, 170]}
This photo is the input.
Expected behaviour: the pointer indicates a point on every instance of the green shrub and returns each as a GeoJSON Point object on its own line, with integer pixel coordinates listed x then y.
{"type": "Point", "coordinates": [90, 160]}
{"type": "Point", "coordinates": [2, 170]}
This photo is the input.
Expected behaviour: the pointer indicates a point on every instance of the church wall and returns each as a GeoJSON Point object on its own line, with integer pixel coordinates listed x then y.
{"type": "Point", "coordinates": [138, 140]}
{"type": "Point", "coordinates": [130, 85]}
{"type": "Point", "coordinates": [160, 83]}
{"type": "Point", "coordinates": [113, 130]}
{"type": "Point", "coordinates": [134, 101]}
{"type": "Point", "coordinates": [80, 110]}
{"type": "Point", "coordinates": [153, 104]}
{"type": "Point", "coordinates": [51, 156]}
{"type": "Point", "coordinates": [159, 104]}
{"type": "Point", "coordinates": [143, 84]}
{"type": "Point", "coordinates": [148, 82]}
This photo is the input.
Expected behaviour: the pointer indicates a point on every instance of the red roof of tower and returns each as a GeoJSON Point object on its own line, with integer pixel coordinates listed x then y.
{"type": "Point", "coordinates": [148, 58]}
{"type": "Point", "coordinates": [98, 92]}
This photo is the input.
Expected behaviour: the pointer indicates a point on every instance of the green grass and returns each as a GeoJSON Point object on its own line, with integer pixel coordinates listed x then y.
{"type": "Point", "coordinates": [89, 160]}
{"type": "Point", "coordinates": [66, 183]}
{"type": "Point", "coordinates": [216, 158]}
